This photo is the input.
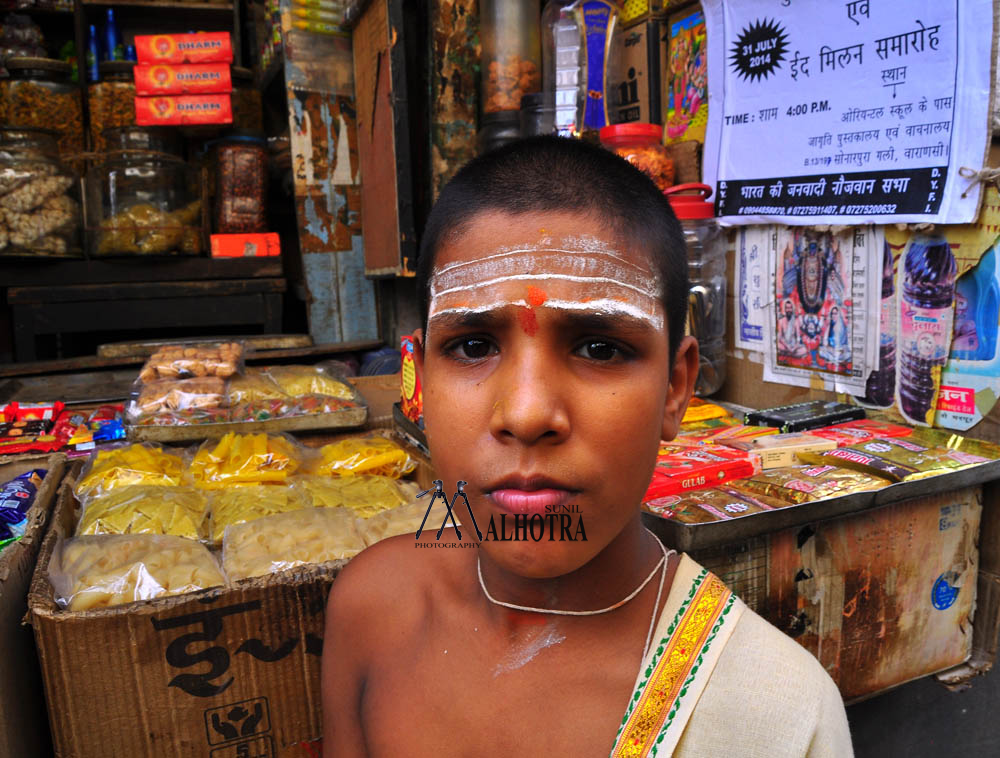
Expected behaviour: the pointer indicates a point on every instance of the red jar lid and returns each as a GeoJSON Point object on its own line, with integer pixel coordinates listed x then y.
{"type": "Point", "coordinates": [691, 206]}
{"type": "Point", "coordinates": [632, 132]}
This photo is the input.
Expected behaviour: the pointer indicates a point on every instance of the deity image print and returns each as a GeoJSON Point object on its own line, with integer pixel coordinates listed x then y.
{"type": "Point", "coordinates": [812, 292]}
{"type": "Point", "coordinates": [688, 68]}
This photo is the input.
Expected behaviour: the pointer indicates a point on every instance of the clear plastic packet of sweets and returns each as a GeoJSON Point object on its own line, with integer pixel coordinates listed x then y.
{"type": "Point", "coordinates": [286, 540]}
{"type": "Point", "coordinates": [242, 503]}
{"type": "Point", "coordinates": [194, 360]}
{"type": "Point", "coordinates": [364, 495]}
{"type": "Point", "coordinates": [111, 569]}
{"type": "Point", "coordinates": [369, 454]}
{"type": "Point", "coordinates": [245, 459]}
{"type": "Point", "coordinates": [143, 509]}
{"type": "Point", "coordinates": [176, 395]}
{"type": "Point", "coordinates": [140, 463]}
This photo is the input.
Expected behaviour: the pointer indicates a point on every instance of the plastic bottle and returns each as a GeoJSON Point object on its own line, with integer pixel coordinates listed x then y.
{"type": "Point", "coordinates": [880, 389]}
{"type": "Point", "coordinates": [596, 20]}
{"type": "Point", "coordinates": [977, 309]}
{"type": "Point", "coordinates": [113, 48]}
{"type": "Point", "coordinates": [561, 77]}
{"type": "Point", "coordinates": [925, 323]}
{"type": "Point", "coordinates": [706, 253]}
{"type": "Point", "coordinates": [93, 54]}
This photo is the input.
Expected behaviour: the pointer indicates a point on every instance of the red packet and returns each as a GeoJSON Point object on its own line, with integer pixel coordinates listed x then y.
{"type": "Point", "coordinates": [201, 47]}
{"type": "Point", "coordinates": [860, 430]}
{"type": "Point", "coordinates": [183, 110]}
{"type": "Point", "coordinates": [245, 245]}
{"type": "Point", "coordinates": [695, 468]}
{"type": "Point", "coordinates": [184, 79]}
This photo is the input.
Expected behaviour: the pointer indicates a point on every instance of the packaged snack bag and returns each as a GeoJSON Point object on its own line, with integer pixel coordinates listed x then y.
{"type": "Point", "coordinates": [364, 495]}
{"type": "Point", "coordinates": [245, 459]}
{"type": "Point", "coordinates": [111, 569]}
{"type": "Point", "coordinates": [16, 497]}
{"type": "Point", "coordinates": [193, 360]}
{"type": "Point", "coordinates": [286, 540]}
{"type": "Point", "coordinates": [139, 463]}
{"type": "Point", "coordinates": [704, 506]}
{"type": "Point", "coordinates": [372, 454]}
{"type": "Point", "coordinates": [695, 468]}
{"type": "Point", "coordinates": [896, 459]}
{"type": "Point", "coordinates": [862, 430]}
{"type": "Point", "coordinates": [405, 519]}
{"type": "Point", "coordinates": [240, 504]}
{"type": "Point", "coordinates": [140, 509]}
{"type": "Point", "coordinates": [807, 483]}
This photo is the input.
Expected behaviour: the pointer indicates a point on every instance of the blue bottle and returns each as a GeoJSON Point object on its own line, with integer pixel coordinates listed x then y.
{"type": "Point", "coordinates": [977, 308]}
{"type": "Point", "coordinates": [93, 54]}
{"type": "Point", "coordinates": [113, 48]}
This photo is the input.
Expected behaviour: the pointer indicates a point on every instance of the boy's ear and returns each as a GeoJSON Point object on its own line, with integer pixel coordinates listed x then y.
{"type": "Point", "coordinates": [681, 387]}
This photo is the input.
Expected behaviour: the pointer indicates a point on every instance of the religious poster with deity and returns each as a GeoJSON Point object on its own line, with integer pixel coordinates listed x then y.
{"type": "Point", "coordinates": [822, 331]}
{"type": "Point", "coordinates": [853, 112]}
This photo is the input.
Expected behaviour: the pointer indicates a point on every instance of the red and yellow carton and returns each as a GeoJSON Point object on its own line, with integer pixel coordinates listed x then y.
{"type": "Point", "coordinates": [201, 47]}
{"type": "Point", "coordinates": [183, 110]}
{"type": "Point", "coordinates": [412, 396]}
{"type": "Point", "coordinates": [245, 245]}
{"type": "Point", "coordinates": [183, 79]}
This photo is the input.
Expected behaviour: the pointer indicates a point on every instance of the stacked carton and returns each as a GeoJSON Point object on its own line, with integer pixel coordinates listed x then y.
{"type": "Point", "coordinates": [183, 79]}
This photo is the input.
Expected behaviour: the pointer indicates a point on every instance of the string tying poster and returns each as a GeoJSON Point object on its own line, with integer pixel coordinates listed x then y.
{"type": "Point", "coordinates": [847, 112]}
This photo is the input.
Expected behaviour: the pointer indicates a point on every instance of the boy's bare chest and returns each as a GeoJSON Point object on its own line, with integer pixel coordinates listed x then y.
{"type": "Point", "coordinates": [543, 693]}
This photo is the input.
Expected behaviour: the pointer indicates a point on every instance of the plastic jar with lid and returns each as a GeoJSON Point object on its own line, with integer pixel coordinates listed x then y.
{"type": "Point", "coordinates": [111, 100]}
{"type": "Point", "coordinates": [248, 109]}
{"type": "Point", "coordinates": [642, 146]}
{"type": "Point", "coordinates": [40, 215]}
{"type": "Point", "coordinates": [158, 139]}
{"type": "Point", "coordinates": [241, 185]}
{"type": "Point", "coordinates": [512, 52]}
{"type": "Point", "coordinates": [141, 202]}
{"type": "Point", "coordinates": [39, 94]}
{"type": "Point", "coordinates": [706, 253]}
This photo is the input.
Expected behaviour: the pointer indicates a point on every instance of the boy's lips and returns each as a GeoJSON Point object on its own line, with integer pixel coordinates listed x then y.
{"type": "Point", "coordinates": [530, 495]}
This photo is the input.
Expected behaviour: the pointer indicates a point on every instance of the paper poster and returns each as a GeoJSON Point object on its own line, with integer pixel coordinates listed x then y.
{"type": "Point", "coordinates": [847, 112]}
{"type": "Point", "coordinates": [687, 89]}
{"type": "Point", "coordinates": [822, 329]}
{"type": "Point", "coordinates": [753, 256]}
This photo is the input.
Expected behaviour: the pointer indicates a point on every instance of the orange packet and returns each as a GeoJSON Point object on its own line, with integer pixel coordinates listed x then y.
{"type": "Point", "coordinates": [201, 47]}
{"type": "Point", "coordinates": [183, 110]}
{"type": "Point", "coordinates": [184, 79]}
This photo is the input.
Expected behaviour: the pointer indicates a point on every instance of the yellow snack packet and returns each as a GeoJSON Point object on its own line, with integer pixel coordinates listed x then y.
{"type": "Point", "coordinates": [140, 463]}
{"type": "Point", "coordinates": [140, 509]}
{"type": "Point", "coordinates": [238, 505]}
{"type": "Point", "coordinates": [308, 380]}
{"type": "Point", "coordinates": [245, 459]}
{"type": "Point", "coordinates": [364, 495]}
{"type": "Point", "coordinates": [363, 455]}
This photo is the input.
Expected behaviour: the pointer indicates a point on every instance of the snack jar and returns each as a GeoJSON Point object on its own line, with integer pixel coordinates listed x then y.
{"type": "Point", "coordinates": [39, 215]}
{"type": "Point", "coordinates": [39, 94]}
{"type": "Point", "coordinates": [248, 108]}
{"type": "Point", "coordinates": [241, 185]}
{"type": "Point", "coordinates": [159, 139]}
{"type": "Point", "coordinates": [111, 100]}
{"type": "Point", "coordinates": [512, 52]}
{"type": "Point", "coordinates": [141, 202]}
{"type": "Point", "coordinates": [706, 252]}
{"type": "Point", "coordinates": [642, 146]}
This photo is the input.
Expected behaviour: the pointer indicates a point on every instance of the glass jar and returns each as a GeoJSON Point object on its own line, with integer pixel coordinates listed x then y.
{"type": "Point", "coordinates": [538, 114]}
{"type": "Point", "coordinates": [248, 109]}
{"type": "Point", "coordinates": [512, 52]}
{"type": "Point", "coordinates": [41, 218]}
{"type": "Point", "coordinates": [241, 185]}
{"type": "Point", "coordinates": [39, 94]}
{"type": "Point", "coordinates": [561, 64]}
{"type": "Point", "coordinates": [160, 139]}
{"type": "Point", "coordinates": [142, 203]}
{"type": "Point", "coordinates": [497, 129]}
{"type": "Point", "coordinates": [111, 100]}
{"type": "Point", "coordinates": [641, 145]}
{"type": "Point", "coordinates": [706, 253]}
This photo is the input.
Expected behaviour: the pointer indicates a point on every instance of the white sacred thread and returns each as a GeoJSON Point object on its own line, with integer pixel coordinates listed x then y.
{"type": "Point", "coordinates": [557, 612]}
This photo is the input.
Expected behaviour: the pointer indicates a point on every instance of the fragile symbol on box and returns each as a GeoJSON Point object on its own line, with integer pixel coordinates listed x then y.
{"type": "Point", "coordinates": [243, 719]}
{"type": "Point", "coordinates": [260, 747]}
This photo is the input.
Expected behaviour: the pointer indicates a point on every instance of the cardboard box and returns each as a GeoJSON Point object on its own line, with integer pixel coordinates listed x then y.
{"type": "Point", "coordinates": [183, 79]}
{"type": "Point", "coordinates": [245, 245]}
{"type": "Point", "coordinates": [635, 82]}
{"type": "Point", "coordinates": [183, 110]}
{"type": "Point", "coordinates": [778, 450]}
{"type": "Point", "coordinates": [23, 725]}
{"type": "Point", "coordinates": [228, 672]}
{"type": "Point", "coordinates": [201, 47]}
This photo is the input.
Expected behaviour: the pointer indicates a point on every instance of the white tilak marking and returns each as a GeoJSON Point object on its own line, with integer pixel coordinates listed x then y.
{"type": "Point", "coordinates": [547, 247]}
{"type": "Point", "coordinates": [647, 291]}
{"type": "Point", "coordinates": [515, 659]}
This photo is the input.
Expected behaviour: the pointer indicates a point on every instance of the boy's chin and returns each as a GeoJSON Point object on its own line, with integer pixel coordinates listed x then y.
{"type": "Point", "coordinates": [538, 560]}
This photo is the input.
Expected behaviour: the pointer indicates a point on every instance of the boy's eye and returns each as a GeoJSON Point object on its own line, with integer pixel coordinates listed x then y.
{"type": "Point", "coordinates": [600, 350]}
{"type": "Point", "coordinates": [471, 348]}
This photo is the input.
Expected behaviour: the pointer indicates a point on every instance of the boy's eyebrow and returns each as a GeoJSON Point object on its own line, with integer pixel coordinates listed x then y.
{"type": "Point", "coordinates": [467, 319]}
{"type": "Point", "coordinates": [597, 321]}
{"type": "Point", "coordinates": [579, 320]}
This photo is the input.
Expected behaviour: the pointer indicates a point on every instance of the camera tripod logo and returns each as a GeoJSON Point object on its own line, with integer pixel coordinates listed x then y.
{"type": "Point", "coordinates": [449, 514]}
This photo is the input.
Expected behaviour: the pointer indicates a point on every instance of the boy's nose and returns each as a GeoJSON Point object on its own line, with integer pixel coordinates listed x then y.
{"type": "Point", "coordinates": [530, 404]}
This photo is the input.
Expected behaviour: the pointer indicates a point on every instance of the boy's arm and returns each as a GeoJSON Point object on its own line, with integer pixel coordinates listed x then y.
{"type": "Point", "coordinates": [832, 738]}
{"type": "Point", "coordinates": [343, 669]}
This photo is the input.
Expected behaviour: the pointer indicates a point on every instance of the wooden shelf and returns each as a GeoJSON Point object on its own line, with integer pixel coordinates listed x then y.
{"type": "Point", "coordinates": [48, 271]}
{"type": "Point", "coordinates": [192, 5]}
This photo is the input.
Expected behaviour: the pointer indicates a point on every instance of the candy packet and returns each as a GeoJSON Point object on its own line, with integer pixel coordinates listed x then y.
{"type": "Point", "coordinates": [111, 569]}
{"type": "Point", "coordinates": [861, 430]}
{"type": "Point", "coordinates": [896, 459]}
{"type": "Point", "coordinates": [808, 483]}
{"type": "Point", "coordinates": [708, 505]}
{"type": "Point", "coordinates": [286, 540]}
{"type": "Point", "coordinates": [16, 498]}
{"type": "Point", "coordinates": [693, 468]}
